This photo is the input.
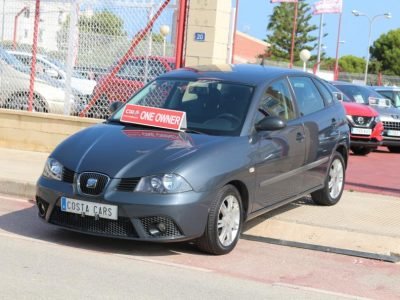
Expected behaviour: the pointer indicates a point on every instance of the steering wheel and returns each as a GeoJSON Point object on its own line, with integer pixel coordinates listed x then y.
{"type": "Point", "coordinates": [228, 116]}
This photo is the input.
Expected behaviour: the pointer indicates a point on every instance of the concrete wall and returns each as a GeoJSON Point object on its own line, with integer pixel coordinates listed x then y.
{"type": "Point", "coordinates": [212, 18]}
{"type": "Point", "coordinates": [37, 131]}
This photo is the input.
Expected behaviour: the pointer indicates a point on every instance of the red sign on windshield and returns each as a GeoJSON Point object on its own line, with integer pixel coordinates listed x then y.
{"type": "Point", "coordinates": [152, 116]}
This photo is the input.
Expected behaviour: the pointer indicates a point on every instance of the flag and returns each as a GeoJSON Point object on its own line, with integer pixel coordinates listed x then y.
{"type": "Point", "coordinates": [327, 7]}
{"type": "Point", "coordinates": [278, 1]}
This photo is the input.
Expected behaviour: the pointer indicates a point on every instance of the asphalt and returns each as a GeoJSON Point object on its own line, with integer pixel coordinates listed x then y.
{"type": "Point", "coordinates": [360, 223]}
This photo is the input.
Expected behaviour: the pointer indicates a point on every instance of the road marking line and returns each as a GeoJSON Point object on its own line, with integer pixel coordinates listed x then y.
{"type": "Point", "coordinates": [305, 288]}
{"type": "Point", "coordinates": [134, 257]}
{"type": "Point", "coordinates": [10, 198]}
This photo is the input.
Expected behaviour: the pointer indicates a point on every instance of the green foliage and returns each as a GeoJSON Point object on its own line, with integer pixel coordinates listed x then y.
{"type": "Point", "coordinates": [386, 50]}
{"type": "Point", "coordinates": [104, 22]}
{"type": "Point", "coordinates": [281, 27]}
{"type": "Point", "coordinates": [351, 64]}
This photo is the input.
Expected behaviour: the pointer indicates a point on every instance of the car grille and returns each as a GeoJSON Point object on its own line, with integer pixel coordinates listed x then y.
{"type": "Point", "coordinates": [121, 227]}
{"type": "Point", "coordinates": [128, 184]}
{"type": "Point", "coordinates": [68, 175]}
{"type": "Point", "coordinates": [391, 125]}
{"type": "Point", "coordinates": [102, 181]}
{"type": "Point", "coordinates": [171, 230]}
{"type": "Point", "coordinates": [362, 121]}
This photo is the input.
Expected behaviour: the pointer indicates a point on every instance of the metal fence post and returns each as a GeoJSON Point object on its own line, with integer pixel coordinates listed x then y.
{"type": "Point", "coordinates": [34, 52]}
{"type": "Point", "coordinates": [72, 51]}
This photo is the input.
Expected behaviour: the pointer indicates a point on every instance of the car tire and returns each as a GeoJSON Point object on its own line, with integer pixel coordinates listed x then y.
{"type": "Point", "coordinates": [394, 149]}
{"type": "Point", "coordinates": [19, 101]}
{"type": "Point", "coordinates": [224, 222]}
{"type": "Point", "coordinates": [360, 150]}
{"type": "Point", "coordinates": [334, 183]}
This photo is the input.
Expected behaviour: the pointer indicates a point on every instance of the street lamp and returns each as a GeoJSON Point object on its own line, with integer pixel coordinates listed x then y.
{"type": "Point", "coordinates": [164, 31]}
{"type": "Point", "coordinates": [305, 56]}
{"type": "Point", "coordinates": [356, 13]}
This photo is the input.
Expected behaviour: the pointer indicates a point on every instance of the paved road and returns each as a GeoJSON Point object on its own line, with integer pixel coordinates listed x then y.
{"type": "Point", "coordinates": [375, 173]}
{"type": "Point", "coordinates": [41, 261]}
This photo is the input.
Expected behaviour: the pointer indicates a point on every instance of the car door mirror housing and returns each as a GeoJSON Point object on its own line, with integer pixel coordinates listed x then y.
{"type": "Point", "coordinates": [271, 123]}
{"type": "Point", "coordinates": [114, 106]}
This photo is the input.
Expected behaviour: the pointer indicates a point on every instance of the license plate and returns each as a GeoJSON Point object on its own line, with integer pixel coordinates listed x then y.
{"type": "Point", "coordinates": [394, 132]}
{"type": "Point", "coordinates": [364, 131]}
{"type": "Point", "coordinates": [93, 209]}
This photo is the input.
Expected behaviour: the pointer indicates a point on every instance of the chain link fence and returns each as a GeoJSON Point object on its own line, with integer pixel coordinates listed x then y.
{"type": "Point", "coordinates": [90, 53]}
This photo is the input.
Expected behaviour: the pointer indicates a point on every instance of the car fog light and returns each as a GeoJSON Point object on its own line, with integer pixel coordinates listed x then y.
{"type": "Point", "coordinates": [162, 227]}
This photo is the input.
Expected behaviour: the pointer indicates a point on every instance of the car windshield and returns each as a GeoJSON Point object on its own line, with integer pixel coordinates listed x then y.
{"type": "Point", "coordinates": [394, 96]}
{"type": "Point", "coordinates": [13, 61]}
{"type": "Point", "coordinates": [62, 67]}
{"type": "Point", "coordinates": [359, 94]}
{"type": "Point", "coordinates": [212, 107]}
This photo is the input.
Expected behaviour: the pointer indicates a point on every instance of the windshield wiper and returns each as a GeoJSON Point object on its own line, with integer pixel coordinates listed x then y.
{"type": "Point", "coordinates": [188, 130]}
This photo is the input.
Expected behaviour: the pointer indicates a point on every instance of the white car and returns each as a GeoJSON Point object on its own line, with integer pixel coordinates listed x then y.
{"type": "Point", "coordinates": [14, 88]}
{"type": "Point", "coordinates": [56, 70]}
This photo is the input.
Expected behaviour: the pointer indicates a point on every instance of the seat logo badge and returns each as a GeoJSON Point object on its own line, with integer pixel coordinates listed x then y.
{"type": "Point", "coordinates": [360, 120]}
{"type": "Point", "coordinates": [91, 183]}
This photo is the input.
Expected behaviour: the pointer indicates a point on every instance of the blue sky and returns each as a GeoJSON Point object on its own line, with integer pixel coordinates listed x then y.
{"type": "Point", "coordinates": [253, 18]}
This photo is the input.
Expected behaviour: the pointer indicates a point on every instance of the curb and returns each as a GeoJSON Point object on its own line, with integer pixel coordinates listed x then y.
{"type": "Point", "coordinates": [17, 188]}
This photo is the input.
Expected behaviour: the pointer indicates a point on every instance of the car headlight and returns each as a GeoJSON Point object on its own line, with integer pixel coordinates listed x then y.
{"type": "Point", "coordinates": [163, 184]}
{"type": "Point", "coordinates": [350, 119]}
{"type": "Point", "coordinates": [53, 169]}
{"type": "Point", "coordinates": [377, 119]}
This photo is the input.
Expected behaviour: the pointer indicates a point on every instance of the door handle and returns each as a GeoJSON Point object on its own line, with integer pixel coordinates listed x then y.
{"type": "Point", "coordinates": [299, 137]}
{"type": "Point", "coordinates": [334, 123]}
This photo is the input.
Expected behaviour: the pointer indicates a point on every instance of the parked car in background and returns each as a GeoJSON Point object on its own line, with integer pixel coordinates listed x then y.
{"type": "Point", "coordinates": [366, 128]}
{"type": "Point", "coordinates": [389, 115]}
{"type": "Point", "coordinates": [15, 84]}
{"type": "Point", "coordinates": [213, 147]}
{"type": "Point", "coordinates": [390, 92]}
{"type": "Point", "coordinates": [56, 70]}
{"type": "Point", "coordinates": [134, 73]}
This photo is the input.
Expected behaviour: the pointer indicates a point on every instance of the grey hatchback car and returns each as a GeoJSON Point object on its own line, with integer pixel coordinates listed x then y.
{"type": "Point", "coordinates": [255, 138]}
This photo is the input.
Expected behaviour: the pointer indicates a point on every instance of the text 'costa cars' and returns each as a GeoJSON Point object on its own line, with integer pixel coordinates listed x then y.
{"type": "Point", "coordinates": [196, 153]}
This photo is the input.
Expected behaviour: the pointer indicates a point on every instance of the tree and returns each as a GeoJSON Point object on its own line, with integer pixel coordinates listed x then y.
{"type": "Point", "coordinates": [281, 28]}
{"type": "Point", "coordinates": [386, 50]}
{"type": "Point", "coordinates": [351, 64]}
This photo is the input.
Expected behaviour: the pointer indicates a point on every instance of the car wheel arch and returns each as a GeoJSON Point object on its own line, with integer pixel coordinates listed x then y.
{"type": "Point", "coordinates": [344, 152]}
{"type": "Point", "coordinates": [244, 194]}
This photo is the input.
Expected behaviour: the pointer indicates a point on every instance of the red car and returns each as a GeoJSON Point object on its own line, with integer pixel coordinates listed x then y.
{"type": "Point", "coordinates": [366, 128]}
{"type": "Point", "coordinates": [124, 80]}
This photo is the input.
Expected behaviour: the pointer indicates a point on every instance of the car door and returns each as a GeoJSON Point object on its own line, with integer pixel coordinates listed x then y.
{"type": "Point", "coordinates": [280, 154]}
{"type": "Point", "coordinates": [321, 126]}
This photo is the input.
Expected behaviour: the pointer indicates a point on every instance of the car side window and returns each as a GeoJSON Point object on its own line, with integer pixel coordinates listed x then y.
{"type": "Point", "coordinates": [277, 101]}
{"type": "Point", "coordinates": [308, 98]}
{"type": "Point", "coordinates": [132, 69]}
{"type": "Point", "coordinates": [326, 94]}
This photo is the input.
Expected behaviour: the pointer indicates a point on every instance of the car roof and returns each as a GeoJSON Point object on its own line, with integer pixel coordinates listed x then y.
{"type": "Point", "coordinates": [249, 74]}
{"type": "Point", "coordinates": [386, 88]}
{"type": "Point", "coordinates": [13, 52]}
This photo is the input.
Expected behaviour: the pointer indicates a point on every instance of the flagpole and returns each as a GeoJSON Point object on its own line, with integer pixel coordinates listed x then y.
{"type": "Point", "coordinates": [321, 23]}
{"type": "Point", "coordinates": [336, 70]}
{"type": "Point", "coordinates": [293, 34]}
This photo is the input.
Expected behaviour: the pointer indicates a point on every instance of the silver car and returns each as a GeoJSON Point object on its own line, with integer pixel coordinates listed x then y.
{"type": "Point", "coordinates": [14, 88]}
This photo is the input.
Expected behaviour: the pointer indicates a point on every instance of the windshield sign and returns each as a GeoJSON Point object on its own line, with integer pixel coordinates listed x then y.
{"type": "Point", "coordinates": [152, 116]}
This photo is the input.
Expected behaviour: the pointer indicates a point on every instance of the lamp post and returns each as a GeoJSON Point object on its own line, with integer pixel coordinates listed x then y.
{"type": "Point", "coordinates": [164, 31]}
{"type": "Point", "coordinates": [356, 13]}
{"type": "Point", "coordinates": [305, 56]}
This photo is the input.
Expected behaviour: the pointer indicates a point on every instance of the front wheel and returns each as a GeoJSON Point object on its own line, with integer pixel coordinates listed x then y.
{"type": "Point", "coordinates": [394, 149]}
{"type": "Point", "coordinates": [334, 183]}
{"type": "Point", "coordinates": [224, 222]}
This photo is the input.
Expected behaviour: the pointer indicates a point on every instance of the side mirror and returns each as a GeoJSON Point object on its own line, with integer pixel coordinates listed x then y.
{"type": "Point", "coordinates": [338, 96]}
{"type": "Point", "coordinates": [114, 106]}
{"type": "Point", "coordinates": [271, 123]}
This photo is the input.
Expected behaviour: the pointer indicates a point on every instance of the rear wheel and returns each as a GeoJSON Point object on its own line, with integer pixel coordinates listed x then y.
{"type": "Point", "coordinates": [20, 102]}
{"type": "Point", "coordinates": [394, 149]}
{"type": "Point", "coordinates": [334, 183]}
{"type": "Point", "coordinates": [360, 150]}
{"type": "Point", "coordinates": [224, 222]}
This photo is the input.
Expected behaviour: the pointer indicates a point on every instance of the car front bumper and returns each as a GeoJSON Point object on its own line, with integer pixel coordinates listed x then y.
{"type": "Point", "coordinates": [183, 215]}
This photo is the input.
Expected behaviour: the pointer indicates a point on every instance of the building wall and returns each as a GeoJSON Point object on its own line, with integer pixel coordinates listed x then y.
{"type": "Point", "coordinates": [248, 48]}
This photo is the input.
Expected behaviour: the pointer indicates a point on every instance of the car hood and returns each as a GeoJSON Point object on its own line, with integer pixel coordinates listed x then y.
{"type": "Point", "coordinates": [122, 152]}
{"type": "Point", "coordinates": [356, 109]}
{"type": "Point", "coordinates": [388, 113]}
